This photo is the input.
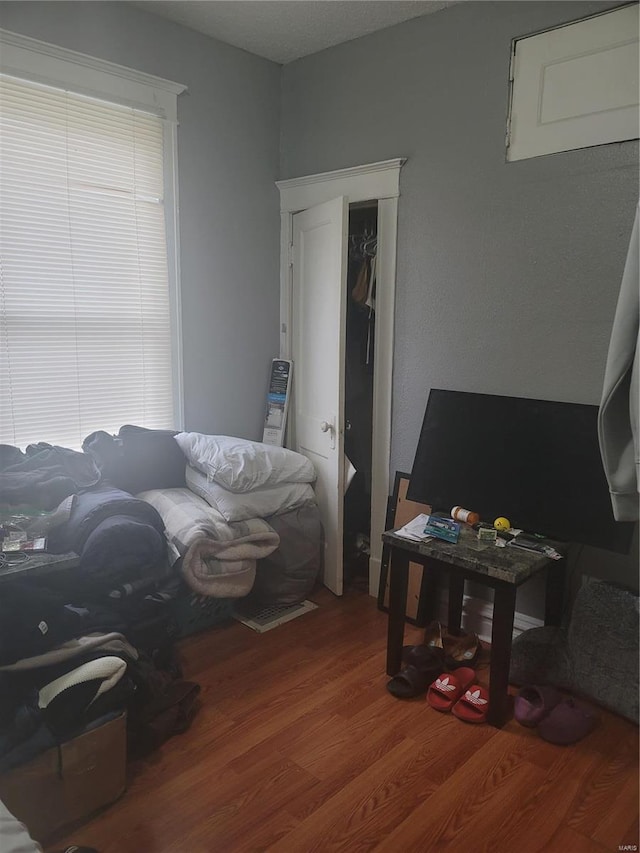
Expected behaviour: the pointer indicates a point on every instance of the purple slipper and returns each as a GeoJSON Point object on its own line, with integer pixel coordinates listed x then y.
{"type": "Point", "coordinates": [567, 723]}
{"type": "Point", "coordinates": [533, 703]}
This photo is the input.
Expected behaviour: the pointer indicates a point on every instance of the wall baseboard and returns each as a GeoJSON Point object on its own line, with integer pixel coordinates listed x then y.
{"type": "Point", "coordinates": [477, 616]}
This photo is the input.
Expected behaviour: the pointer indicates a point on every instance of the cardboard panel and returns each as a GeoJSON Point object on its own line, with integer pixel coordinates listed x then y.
{"type": "Point", "coordinates": [403, 511]}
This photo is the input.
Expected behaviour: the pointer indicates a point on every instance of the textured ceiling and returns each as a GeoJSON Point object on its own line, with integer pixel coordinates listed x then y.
{"type": "Point", "coordinates": [284, 30]}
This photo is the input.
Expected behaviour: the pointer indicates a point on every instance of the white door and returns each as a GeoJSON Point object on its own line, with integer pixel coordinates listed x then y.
{"type": "Point", "coordinates": [318, 305]}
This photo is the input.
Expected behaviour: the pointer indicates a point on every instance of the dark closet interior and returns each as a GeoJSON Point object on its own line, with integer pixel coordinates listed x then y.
{"type": "Point", "coordinates": [359, 356]}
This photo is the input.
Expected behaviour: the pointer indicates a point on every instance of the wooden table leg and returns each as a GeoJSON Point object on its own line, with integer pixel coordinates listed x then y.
{"type": "Point", "coordinates": [456, 595]}
{"type": "Point", "coordinates": [428, 598]}
{"type": "Point", "coordinates": [555, 592]}
{"type": "Point", "coordinates": [398, 585]}
{"type": "Point", "coordinates": [501, 636]}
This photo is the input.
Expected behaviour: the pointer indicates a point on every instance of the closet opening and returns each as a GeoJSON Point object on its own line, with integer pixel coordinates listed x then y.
{"type": "Point", "coordinates": [358, 406]}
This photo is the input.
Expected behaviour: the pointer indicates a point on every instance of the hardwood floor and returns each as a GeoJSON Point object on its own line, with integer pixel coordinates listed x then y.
{"type": "Point", "coordinates": [298, 746]}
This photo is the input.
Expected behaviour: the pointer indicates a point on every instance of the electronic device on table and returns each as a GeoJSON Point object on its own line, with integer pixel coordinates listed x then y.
{"type": "Point", "coordinates": [536, 461]}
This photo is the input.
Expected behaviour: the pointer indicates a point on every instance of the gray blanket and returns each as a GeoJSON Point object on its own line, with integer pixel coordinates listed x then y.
{"type": "Point", "coordinates": [218, 558]}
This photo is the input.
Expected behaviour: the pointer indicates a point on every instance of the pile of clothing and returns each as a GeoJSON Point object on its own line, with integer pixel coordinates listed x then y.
{"type": "Point", "coordinates": [80, 647]}
{"type": "Point", "coordinates": [145, 510]}
{"type": "Point", "coordinates": [67, 668]}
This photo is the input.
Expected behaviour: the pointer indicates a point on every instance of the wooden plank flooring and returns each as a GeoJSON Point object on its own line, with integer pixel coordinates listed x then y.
{"type": "Point", "coordinates": [298, 747]}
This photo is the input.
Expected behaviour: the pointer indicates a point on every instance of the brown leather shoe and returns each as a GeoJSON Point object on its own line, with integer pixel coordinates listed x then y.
{"type": "Point", "coordinates": [433, 636]}
{"type": "Point", "coordinates": [462, 651]}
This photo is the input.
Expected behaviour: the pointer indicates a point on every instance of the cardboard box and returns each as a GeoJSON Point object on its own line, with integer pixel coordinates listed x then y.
{"type": "Point", "coordinates": [69, 782]}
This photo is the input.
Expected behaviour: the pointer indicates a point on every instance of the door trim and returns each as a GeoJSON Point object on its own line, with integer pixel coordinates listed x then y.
{"type": "Point", "coordinates": [372, 182]}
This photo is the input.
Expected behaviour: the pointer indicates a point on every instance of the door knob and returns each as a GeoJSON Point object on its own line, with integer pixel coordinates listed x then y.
{"type": "Point", "coordinates": [324, 426]}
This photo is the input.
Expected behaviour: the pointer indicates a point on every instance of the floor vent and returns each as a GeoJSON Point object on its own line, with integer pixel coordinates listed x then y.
{"type": "Point", "coordinates": [270, 617]}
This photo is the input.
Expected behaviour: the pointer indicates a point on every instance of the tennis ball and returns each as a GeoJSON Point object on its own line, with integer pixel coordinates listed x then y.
{"type": "Point", "coordinates": [502, 523]}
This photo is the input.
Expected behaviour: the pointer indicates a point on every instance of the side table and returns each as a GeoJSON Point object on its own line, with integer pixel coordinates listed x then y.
{"type": "Point", "coordinates": [502, 569]}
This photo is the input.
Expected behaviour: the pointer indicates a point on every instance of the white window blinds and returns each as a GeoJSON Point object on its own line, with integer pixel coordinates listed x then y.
{"type": "Point", "coordinates": [85, 333]}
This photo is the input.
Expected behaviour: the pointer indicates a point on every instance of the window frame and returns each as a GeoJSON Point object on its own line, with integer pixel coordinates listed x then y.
{"type": "Point", "coordinates": [40, 62]}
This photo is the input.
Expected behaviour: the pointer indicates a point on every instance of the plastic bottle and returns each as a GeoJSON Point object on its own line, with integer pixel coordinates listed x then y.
{"type": "Point", "coordinates": [458, 513]}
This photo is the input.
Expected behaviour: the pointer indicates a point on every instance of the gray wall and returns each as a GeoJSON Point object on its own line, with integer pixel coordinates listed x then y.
{"type": "Point", "coordinates": [228, 142]}
{"type": "Point", "coordinates": [508, 273]}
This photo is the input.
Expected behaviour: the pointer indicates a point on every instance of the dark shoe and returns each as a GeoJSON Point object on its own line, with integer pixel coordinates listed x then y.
{"type": "Point", "coordinates": [410, 682]}
{"type": "Point", "coordinates": [422, 666]}
{"type": "Point", "coordinates": [423, 656]}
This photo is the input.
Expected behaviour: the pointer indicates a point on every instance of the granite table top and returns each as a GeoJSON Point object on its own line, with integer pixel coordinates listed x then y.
{"type": "Point", "coordinates": [485, 559]}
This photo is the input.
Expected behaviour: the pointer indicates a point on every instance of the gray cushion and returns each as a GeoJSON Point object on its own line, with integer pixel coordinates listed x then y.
{"type": "Point", "coordinates": [595, 657]}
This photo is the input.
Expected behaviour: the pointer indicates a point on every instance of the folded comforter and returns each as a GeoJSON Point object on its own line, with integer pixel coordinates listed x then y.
{"type": "Point", "coordinates": [218, 558]}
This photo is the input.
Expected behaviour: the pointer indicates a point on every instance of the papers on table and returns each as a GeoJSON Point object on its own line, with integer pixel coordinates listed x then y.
{"type": "Point", "coordinates": [414, 529]}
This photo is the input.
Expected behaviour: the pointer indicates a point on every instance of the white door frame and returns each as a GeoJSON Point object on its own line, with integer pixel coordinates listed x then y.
{"type": "Point", "coordinates": [373, 182]}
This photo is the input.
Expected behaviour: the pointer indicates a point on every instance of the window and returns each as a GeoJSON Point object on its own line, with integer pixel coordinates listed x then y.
{"type": "Point", "coordinates": [575, 86]}
{"type": "Point", "coordinates": [87, 313]}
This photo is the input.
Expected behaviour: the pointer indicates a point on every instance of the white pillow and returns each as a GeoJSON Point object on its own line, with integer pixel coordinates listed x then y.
{"type": "Point", "coordinates": [240, 465]}
{"type": "Point", "coordinates": [259, 503]}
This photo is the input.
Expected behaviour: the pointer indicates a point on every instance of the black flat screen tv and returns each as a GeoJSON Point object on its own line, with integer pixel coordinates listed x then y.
{"type": "Point", "coordinates": [537, 462]}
